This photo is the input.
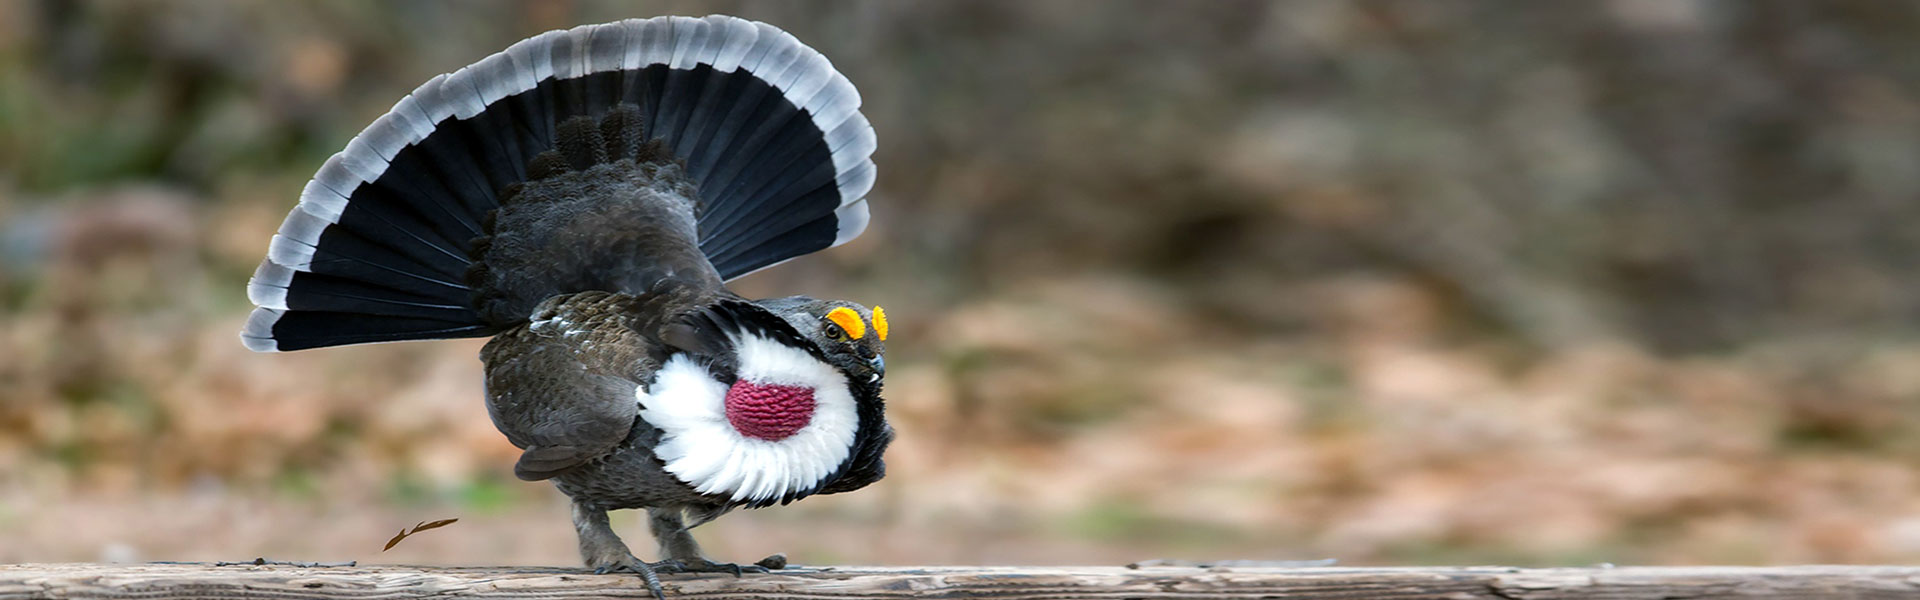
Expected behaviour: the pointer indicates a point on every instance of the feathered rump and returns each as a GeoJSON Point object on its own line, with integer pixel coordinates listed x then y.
{"type": "Point", "coordinates": [380, 244]}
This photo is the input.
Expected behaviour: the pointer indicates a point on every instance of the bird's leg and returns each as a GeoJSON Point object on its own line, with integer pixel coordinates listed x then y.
{"type": "Point", "coordinates": [604, 552]}
{"type": "Point", "coordinates": [679, 553]}
{"type": "Point", "coordinates": [669, 528]}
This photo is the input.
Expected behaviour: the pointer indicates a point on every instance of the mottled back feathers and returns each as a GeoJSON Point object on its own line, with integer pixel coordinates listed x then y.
{"type": "Point", "coordinates": [602, 212]}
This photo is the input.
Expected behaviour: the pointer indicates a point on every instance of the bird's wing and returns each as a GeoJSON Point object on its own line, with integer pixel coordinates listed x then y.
{"type": "Point", "coordinates": [562, 387]}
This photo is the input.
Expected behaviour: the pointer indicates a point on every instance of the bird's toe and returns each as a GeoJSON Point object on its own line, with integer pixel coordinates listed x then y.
{"type": "Point", "coordinates": [630, 564]}
{"type": "Point", "coordinates": [702, 565]}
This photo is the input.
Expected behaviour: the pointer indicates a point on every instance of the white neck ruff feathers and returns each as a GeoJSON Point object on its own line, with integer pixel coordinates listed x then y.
{"type": "Point", "coordinates": [701, 447]}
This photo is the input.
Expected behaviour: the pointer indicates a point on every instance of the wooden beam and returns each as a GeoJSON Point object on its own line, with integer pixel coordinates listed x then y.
{"type": "Point", "coordinates": [164, 581]}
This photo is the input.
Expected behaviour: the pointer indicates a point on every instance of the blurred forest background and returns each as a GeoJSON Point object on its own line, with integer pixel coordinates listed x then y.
{"type": "Point", "coordinates": [1393, 282]}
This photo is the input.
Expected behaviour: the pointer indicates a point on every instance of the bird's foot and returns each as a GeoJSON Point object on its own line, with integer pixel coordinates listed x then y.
{"type": "Point", "coordinates": [629, 564]}
{"type": "Point", "coordinates": [702, 565]}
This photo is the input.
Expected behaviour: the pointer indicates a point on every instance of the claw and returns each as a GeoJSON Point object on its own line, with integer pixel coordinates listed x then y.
{"type": "Point", "coordinates": [637, 567]}
{"type": "Point", "coordinates": [653, 583]}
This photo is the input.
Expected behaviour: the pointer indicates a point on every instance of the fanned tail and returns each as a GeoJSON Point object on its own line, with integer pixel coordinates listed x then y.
{"type": "Point", "coordinates": [380, 245]}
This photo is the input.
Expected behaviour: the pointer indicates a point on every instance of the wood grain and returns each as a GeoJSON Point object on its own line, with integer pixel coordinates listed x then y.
{"type": "Point", "coordinates": [165, 581]}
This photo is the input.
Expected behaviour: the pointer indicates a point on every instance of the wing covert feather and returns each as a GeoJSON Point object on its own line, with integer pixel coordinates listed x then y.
{"type": "Point", "coordinates": [562, 386]}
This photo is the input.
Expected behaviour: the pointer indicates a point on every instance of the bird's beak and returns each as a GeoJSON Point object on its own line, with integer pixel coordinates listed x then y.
{"type": "Point", "coordinates": [879, 366]}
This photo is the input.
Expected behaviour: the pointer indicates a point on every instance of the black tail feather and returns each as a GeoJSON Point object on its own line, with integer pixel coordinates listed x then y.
{"type": "Point", "coordinates": [384, 241]}
{"type": "Point", "coordinates": [300, 330]}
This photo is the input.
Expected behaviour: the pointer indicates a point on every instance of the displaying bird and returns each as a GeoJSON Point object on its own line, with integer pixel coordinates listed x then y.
{"type": "Point", "coordinates": [582, 197]}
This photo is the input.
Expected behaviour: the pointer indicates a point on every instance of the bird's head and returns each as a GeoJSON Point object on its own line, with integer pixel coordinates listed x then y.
{"type": "Point", "coordinates": [852, 336]}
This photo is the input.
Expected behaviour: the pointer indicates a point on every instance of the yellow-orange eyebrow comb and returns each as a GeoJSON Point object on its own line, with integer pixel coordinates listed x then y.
{"type": "Point", "coordinates": [848, 321]}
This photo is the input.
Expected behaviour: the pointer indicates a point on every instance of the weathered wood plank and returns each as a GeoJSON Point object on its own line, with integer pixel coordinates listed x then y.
{"type": "Point", "coordinates": [166, 581]}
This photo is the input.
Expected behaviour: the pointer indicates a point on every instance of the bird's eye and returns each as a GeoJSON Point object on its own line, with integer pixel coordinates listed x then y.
{"type": "Point", "coordinates": [844, 324]}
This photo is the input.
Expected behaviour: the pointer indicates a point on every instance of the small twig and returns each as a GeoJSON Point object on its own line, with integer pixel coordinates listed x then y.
{"type": "Point", "coordinates": [422, 526]}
